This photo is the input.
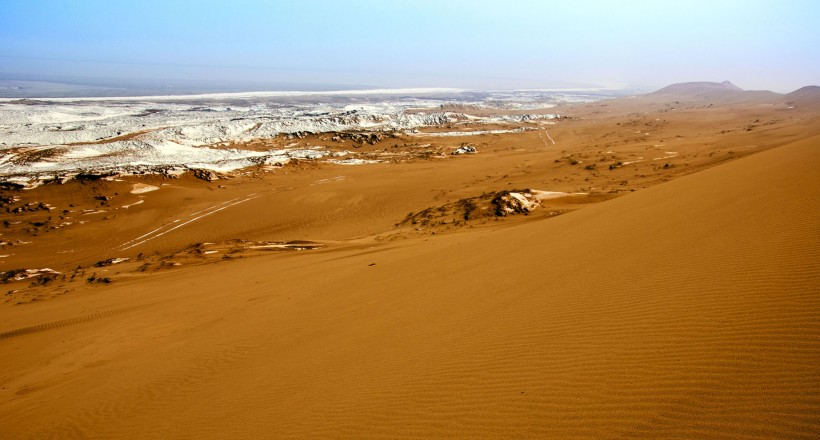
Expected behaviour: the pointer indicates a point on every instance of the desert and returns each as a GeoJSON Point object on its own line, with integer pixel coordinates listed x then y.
{"type": "Point", "coordinates": [420, 264]}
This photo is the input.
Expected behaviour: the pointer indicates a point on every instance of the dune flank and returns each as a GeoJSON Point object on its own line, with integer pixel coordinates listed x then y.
{"type": "Point", "coordinates": [686, 310]}
{"type": "Point", "coordinates": [644, 267]}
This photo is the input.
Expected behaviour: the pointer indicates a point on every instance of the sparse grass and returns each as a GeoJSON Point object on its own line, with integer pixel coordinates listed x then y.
{"type": "Point", "coordinates": [94, 279]}
{"type": "Point", "coordinates": [468, 206]}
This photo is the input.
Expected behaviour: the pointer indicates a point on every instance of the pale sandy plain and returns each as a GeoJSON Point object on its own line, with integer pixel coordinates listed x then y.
{"type": "Point", "coordinates": [678, 297]}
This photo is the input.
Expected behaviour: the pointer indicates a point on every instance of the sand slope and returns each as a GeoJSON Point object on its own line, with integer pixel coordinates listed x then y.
{"type": "Point", "coordinates": [688, 310]}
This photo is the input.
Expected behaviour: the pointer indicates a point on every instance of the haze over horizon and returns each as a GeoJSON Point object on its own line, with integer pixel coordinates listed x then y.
{"type": "Point", "coordinates": [476, 44]}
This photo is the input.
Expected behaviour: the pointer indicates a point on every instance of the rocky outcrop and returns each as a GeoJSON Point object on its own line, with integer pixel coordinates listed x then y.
{"type": "Point", "coordinates": [24, 274]}
{"type": "Point", "coordinates": [515, 203]}
{"type": "Point", "coordinates": [483, 207]}
{"type": "Point", "coordinates": [358, 137]}
{"type": "Point", "coordinates": [206, 175]}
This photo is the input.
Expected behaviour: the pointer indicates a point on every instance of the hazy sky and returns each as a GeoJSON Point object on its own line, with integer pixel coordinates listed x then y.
{"type": "Point", "coordinates": [475, 44]}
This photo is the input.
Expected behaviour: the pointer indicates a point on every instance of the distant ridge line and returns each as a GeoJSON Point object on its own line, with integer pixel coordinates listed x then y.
{"type": "Point", "coordinates": [687, 88]}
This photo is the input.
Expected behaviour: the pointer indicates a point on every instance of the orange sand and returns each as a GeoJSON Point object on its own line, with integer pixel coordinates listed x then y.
{"type": "Point", "coordinates": [687, 309]}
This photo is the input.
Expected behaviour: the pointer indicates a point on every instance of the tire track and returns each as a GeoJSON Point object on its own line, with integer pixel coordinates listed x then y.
{"type": "Point", "coordinates": [64, 322]}
{"type": "Point", "coordinates": [174, 225]}
{"type": "Point", "coordinates": [548, 136]}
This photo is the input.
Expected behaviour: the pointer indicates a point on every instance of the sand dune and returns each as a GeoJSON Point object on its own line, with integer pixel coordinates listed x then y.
{"type": "Point", "coordinates": [686, 310]}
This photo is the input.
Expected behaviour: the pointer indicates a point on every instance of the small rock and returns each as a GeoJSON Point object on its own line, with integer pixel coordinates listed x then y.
{"type": "Point", "coordinates": [464, 149]}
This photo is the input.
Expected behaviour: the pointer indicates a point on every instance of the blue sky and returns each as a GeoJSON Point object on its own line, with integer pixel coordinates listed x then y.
{"type": "Point", "coordinates": [475, 44]}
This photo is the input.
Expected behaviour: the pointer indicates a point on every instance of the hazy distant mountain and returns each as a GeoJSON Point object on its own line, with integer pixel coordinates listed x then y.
{"type": "Point", "coordinates": [698, 88]}
{"type": "Point", "coordinates": [807, 93]}
{"type": "Point", "coordinates": [723, 92]}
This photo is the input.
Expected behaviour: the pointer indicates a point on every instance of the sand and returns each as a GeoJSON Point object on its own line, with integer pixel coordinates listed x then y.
{"type": "Point", "coordinates": [687, 308]}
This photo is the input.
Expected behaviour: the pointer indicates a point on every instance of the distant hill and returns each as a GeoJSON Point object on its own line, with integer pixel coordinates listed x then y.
{"type": "Point", "coordinates": [805, 93]}
{"type": "Point", "coordinates": [723, 92]}
{"type": "Point", "coordinates": [698, 88]}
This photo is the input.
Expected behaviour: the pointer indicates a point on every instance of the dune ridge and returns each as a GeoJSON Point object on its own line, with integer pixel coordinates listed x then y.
{"type": "Point", "coordinates": [686, 310]}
